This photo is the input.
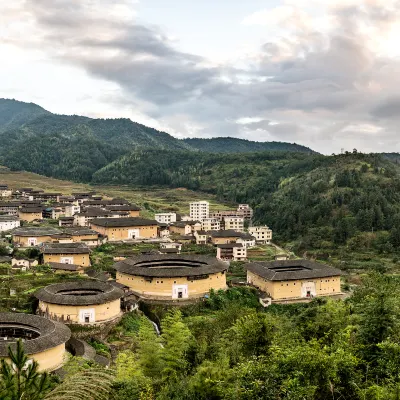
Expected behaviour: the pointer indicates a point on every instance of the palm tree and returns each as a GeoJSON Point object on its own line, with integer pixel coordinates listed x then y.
{"type": "Point", "coordinates": [20, 379]}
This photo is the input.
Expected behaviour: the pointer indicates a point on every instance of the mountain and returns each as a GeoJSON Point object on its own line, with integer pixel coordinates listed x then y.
{"type": "Point", "coordinates": [234, 145]}
{"type": "Point", "coordinates": [14, 114]}
{"type": "Point", "coordinates": [75, 147]}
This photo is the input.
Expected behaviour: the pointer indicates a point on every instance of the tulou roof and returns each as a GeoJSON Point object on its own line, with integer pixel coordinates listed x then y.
{"type": "Point", "coordinates": [170, 265]}
{"type": "Point", "coordinates": [123, 222]}
{"type": "Point", "coordinates": [225, 233]}
{"type": "Point", "coordinates": [35, 231]}
{"type": "Point", "coordinates": [51, 333]}
{"type": "Point", "coordinates": [31, 210]}
{"type": "Point", "coordinates": [64, 267]}
{"type": "Point", "coordinates": [292, 269]}
{"type": "Point", "coordinates": [80, 293]}
{"type": "Point", "coordinates": [65, 248]}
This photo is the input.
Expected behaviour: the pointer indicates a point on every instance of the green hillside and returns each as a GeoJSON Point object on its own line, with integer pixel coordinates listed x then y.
{"type": "Point", "coordinates": [234, 145]}
{"type": "Point", "coordinates": [15, 113]}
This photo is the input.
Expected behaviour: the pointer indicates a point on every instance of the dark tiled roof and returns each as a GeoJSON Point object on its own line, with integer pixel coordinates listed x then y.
{"type": "Point", "coordinates": [9, 218]}
{"type": "Point", "coordinates": [52, 333]}
{"type": "Point", "coordinates": [65, 248]}
{"type": "Point", "coordinates": [229, 245]}
{"type": "Point", "coordinates": [27, 210]}
{"type": "Point", "coordinates": [225, 233]}
{"type": "Point", "coordinates": [80, 231]}
{"type": "Point", "coordinates": [123, 222]}
{"type": "Point", "coordinates": [66, 218]}
{"type": "Point", "coordinates": [62, 293]}
{"type": "Point", "coordinates": [127, 207]}
{"type": "Point", "coordinates": [170, 265]}
{"type": "Point", "coordinates": [35, 231]}
{"type": "Point", "coordinates": [292, 269]}
{"type": "Point", "coordinates": [64, 267]}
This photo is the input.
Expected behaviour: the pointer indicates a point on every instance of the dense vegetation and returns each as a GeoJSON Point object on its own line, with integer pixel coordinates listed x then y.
{"type": "Point", "coordinates": [74, 147]}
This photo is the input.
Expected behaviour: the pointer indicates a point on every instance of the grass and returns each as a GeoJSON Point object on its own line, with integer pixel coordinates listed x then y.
{"type": "Point", "coordinates": [150, 199]}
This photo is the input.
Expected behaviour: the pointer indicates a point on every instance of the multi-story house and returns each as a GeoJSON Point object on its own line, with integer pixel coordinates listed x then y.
{"type": "Point", "coordinates": [165, 218]}
{"type": "Point", "coordinates": [5, 191]}
{"type": "Point", "coordinates": [246, 211]}
{"type": "Point", "coordinates": [231, 252]}
{"type": "Point", "coordinates": [262, 234]}
{"type": "Point", "coordinates": [199, 210]}
{"type": "Point", "coordinates": [235, 223]}
{"type": "Point", "coordinates": [210, 224]}
{"type": "Point", "coordinates": [8, 222]}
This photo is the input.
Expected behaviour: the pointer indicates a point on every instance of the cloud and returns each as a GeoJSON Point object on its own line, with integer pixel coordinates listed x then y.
{"type": "Point", "coordinates": [327, 74]}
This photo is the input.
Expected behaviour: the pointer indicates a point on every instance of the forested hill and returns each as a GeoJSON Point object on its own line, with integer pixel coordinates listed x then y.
{"type": "Point", "coordinates": [234, 145]}
{"type": "Point", "coordinates": [15, 113]}
{"type": "Point", "coordinates": [74, 147]}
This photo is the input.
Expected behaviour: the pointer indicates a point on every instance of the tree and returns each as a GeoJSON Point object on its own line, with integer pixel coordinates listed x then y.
{"type": "Point", "coordinates": [20, 379]}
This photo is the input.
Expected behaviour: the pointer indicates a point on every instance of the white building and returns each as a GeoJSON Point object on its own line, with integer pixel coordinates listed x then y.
{"type": "Point", "coordinates": [199, 210]}
{"type": "Point", "coordinates": [8, 222]}
{"type": "Point", "coordinates": [231, 252]}
{"type": "Point", "coordinates": [72, 209]}
{"type": "Point", "coordinates": [5, 191]}
{"type": "Point", "coordinates": [234, 223]}
{"type": "Point", "coordinates": [165, 218]}
{"type": "Point", "coordinates": [262, 234]}
{"type": "Point", "coordinates": [210, 224]}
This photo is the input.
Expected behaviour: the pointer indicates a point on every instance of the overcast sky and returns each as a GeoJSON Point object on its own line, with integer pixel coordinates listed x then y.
{"type": "Point", "coordinates": [323, 73]}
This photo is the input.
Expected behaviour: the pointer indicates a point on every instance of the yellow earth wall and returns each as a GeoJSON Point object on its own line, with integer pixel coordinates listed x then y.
{"type": "Point", "coordinates": [134, 213]}
{"type": "Point", "coordinates": [23, 240]}
{"type": "Point", "coordinates": [78, 259]}
{"type": "Point", "coordinates": [116, 234]}
{"type": "Point", "coordinates": [29, 217]}
{"type": "Point", "coordinates": [292, 288]}
{"type": "Point", "coordinates": [224, 240]}
{"type": "Point", "coordinates": [49, 360]}
{"type": "Point", "coordinates": [162, 287]}
{"type": "Point", "coordinates": [103, 312]}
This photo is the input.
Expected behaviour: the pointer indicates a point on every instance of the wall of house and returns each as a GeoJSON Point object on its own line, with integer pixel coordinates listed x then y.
{"type": "Point", "coordinates": [162, 287]}
{"type": "Point", "coordinates": [116, 234]}
{"type": "Point", "coordinates": [7, 225]}
{"type": "Point", "coordinates": [225, 240]}
{"type": "Point", "coordinates": [48, 360]}
{"type": "Point", "coordinates": [292, 288]}
{"type": "Point", "coordinates": [29, 217]}
{"type": "Point", "coordinates": [134, 213]}
{"type": "Point", "coordinates": [103, 312]}
{"type": "Point", "coordinates": [178, 230]}
{"type": "Point", "coordinates": [23, 241]}
{"type": "Point", "coordinates": [78, 259]}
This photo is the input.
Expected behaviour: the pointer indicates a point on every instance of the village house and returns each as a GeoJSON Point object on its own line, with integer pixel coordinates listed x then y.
{"type": "Point", "coordinates": [117, 229]}
{"type": "Point", "coordinates": [8, 222]}
{"type": "Point", "coordinates": [180, 228]}
{"type": "Point", "coordinates": [66, 221]}
{"type": "Point", "coordinates": [170, 247]}
{"type": "Point", "coordinates": [247, 240]}
{"type": "Point", "coordinates": [235, 223]}
{"type": "Point", "coordinates": [31, 236]}
{"type": "Point", "coordinates": [85, 217]}
{"type": "Point", "coordinates": [201, 237]}
{"type": "Point", "coordinates": [294, 279]}
{"type": "Point", "coordinates": [66, 253]}
{"type": "Point", "coordinates": [61, 268]}
{"type": "Point", "coordinates": [199, 210]}
{"type": "Point", "coordinates": [44, 340]}
{"type": "Point", "coordinates": [224, 237]}
{"type": "Point", "coordinates": [29, 214]}
{"type": "Point", "coordinates": [171, 277]}
{"type": "Point", "coordinates": [231, 252]}
{"type": "Point", "coordinates": [210, 224]}
{"type": "Point", "coordinates": [184, 239]}
{"type": "Point", "coordinates": [23, 263]}
{"type": "Point", "coordinates": [262, 234]}
{"type": "Point", "coordinates": [85, 235]}
{"type": "Point", "coordinates": [131, 209]}
{"type": "Point", "coordinates": [163, 230]}
{"type": "Point", "coordinates": [5, 191]}
{"type": "Point", "coordinates": [165, 218]}
{"type": "Point", "coordinates": [10, 208]}
{"type": "Point", "coordinates": [54, 212]}
{"type": "Point", "coordinates": [81, 302]}
{"type": "Point", "coordinates": [46, 197]}
{"type": "Point", "coordinates": [246, 211]}
{"type": "Point", "coordinates": [72, 209]}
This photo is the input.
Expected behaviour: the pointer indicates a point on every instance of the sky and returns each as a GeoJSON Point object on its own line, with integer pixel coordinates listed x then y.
{"type": "Point", "coordinates": [322, 73]}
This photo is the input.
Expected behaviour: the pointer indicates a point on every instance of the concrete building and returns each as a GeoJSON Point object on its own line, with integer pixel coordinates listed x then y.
{"type": "Point", "coordinates": [210, 224]}
{"type": "Point", "coordinates": [246, 211]}
{"type": "Point", "coordinates": [72, 209]}
{"type": "Point", "coordinates": [44, 340]}
{"type": "Point", "coordinates": [224, 237]}
{"type": "Point", "coordinates": [199, 210]}
{"type": "Point", "coordinates": [118, 229]}
{"type": "Point", "coordinates": [171, 277]}
{"type": "Point", "coordinates": [231, 252]}
{"type": "Point", "coordinates": [165, 218]}
{"type": "Point", "coordinates": [294, 279]}
{"type": "Point", "coordinates": [10, 208]}
{"type": "Point", "coordinates": [66, 253]}
{"type": "Point", "coordinates": [5, 191]}
{"type": "Point", "coordinates": [23, 263]}
{"type": "Point", "coordinates": [201, 237]}
{"type": "Point", "coordinates": [85, 302]}
{"type": "Point", "coordinates": [234, 223]}
{"type": "Point", "coordinates": [8, 222]}
{"type": "Point", "coordinates": [262, 234]}
{"type": "Point", "coordinates": [247, 240]}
